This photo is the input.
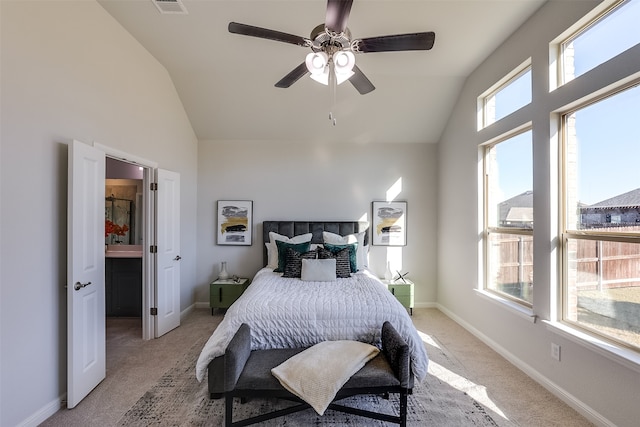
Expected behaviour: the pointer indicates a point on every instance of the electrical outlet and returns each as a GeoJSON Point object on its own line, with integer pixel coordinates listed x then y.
{"type": "Point", "coordinates": [555, 351]}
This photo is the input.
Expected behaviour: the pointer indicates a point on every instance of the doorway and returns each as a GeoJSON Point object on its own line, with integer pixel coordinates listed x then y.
{"type": "Point", "coordinates": [124, 243]}
{"type": "Point", "coordinates": [86, 246]}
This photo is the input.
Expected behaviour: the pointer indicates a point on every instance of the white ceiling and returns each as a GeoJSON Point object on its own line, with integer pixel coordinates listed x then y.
{"type": "Point", "coordinates": [226, 81]}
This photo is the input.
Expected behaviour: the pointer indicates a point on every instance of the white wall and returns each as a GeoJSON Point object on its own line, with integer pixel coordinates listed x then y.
{"type": "Point", "coordinates": [600, 388]}
{"type": "Point", "coordinates": [290, 181]}
{"type": "Point", "coordinates": [69, 71]}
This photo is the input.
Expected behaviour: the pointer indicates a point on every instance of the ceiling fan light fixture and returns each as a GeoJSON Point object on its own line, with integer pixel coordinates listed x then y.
{"type": "Point", "coordinates": [343, 63]}
{"type": "Point", "coordinates": [318, 65]}
{"type": "Point", "coordinates": [321, 77]}
{"type": "Point", "coordinates": [317, 62]}
{"type": "Point", "coordinates": [343, 77]}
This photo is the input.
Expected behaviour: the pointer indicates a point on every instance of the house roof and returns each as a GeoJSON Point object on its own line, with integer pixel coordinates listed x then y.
{"type": "Point", "coordinates": [628, 199]}
{"type": "Point", "coordinates": [518, 208]}
{"type": "Point", "coordinates": [520, 215]}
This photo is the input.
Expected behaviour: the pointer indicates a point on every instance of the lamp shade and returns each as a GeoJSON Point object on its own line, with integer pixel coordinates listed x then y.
{"type": "Point", "coordinates": [343, 62]}
{"type": "Point", "coordinates": [317, 64]}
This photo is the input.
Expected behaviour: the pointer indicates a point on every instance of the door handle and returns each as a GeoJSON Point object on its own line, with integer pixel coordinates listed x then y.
{"type": "Point", "coordinates": [177, 258]}
{"type": "Point", "coordinates": [79, 285]}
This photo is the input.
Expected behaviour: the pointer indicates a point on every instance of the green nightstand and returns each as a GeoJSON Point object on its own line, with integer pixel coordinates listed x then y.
{"type": "Point", "coordinates": [224, 292]}
{"type": "Point", "coordinates": [403, 291]}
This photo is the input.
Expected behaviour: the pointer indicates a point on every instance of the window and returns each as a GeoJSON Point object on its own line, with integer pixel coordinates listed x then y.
{"type": "Point", "coordinates": [613, 33]}
{"type": "Point", "coordinates": [508, 229]}
{"type": "Point", "coordinates": [507, 96]}
{"type": "Point", "coordinates": [601, 268]}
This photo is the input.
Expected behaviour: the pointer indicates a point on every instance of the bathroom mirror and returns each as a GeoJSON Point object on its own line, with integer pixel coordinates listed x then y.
{"type": "Point", "coordinates": [123, 204]}
{"type": "Point", "coordinates": [120, 223]}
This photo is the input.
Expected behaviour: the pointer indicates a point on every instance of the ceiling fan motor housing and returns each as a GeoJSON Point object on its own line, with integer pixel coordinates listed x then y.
{"type": "Point", "coordinates": [322, 40]}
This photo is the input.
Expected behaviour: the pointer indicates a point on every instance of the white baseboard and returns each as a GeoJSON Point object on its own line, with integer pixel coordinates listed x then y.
{"type": "Point", "coordinates": [45, 412]}
{"type": "Point", "coordinates": [202, 304]}
{"type": "Point", "coordinates": [582, 408]}
{"type": "Point", "coordinates": [426, 305]}
{"type": "Point", "coordinates": [186, 311]}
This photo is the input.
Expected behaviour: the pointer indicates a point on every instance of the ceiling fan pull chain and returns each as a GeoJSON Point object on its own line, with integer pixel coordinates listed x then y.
{"type": "Point", "coordinates": [333, 90]}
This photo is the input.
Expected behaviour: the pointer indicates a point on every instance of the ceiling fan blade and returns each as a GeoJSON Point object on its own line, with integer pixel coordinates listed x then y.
{"type": "Point", "coordinates": [295, 75]}
{"type": "Point", "coordinates": [264, 33]}
{"type": "Point", "coordinates": [361, 82]}
{"type": "Point", "coordinates": [337, 15]}
{"type": "Point", "coordinates": [398, 42]}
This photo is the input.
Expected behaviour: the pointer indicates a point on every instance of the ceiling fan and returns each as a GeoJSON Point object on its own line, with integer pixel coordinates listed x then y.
{"type": "Point", "coordinates": [332, 58]}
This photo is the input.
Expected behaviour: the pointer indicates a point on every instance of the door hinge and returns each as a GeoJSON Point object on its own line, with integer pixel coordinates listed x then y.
{"type": "Point", "coordinates": [154, 186]}
{"type": "Point", "coordinates": [154, 311]}
{"type": "Point", "coordinates": [153, 249]}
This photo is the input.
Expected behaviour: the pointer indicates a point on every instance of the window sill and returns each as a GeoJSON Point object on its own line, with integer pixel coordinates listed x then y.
{"type": "Point", "coordinates": [524, 312]}
{"type": "Point", "coordinates": [626, 357]}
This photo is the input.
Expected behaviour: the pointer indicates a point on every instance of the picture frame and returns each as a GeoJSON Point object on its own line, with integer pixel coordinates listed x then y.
{"type": "Point", "coordinates": [235, 222]}
{"type": "Point", "coordinates": [389, 223]}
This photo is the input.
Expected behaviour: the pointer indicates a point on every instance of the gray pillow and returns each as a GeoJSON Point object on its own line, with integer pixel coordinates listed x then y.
{"type": "Point", "coordinates": [318, 270]}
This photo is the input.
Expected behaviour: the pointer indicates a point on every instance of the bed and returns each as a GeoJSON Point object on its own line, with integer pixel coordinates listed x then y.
{"type": "Point", "coordinates": [288, 312]}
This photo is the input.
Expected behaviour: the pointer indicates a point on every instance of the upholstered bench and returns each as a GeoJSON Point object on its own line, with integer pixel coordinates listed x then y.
{"type": "Point", "coordinates": [248, 374]}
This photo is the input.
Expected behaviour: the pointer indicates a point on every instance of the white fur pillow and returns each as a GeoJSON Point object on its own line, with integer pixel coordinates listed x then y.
{"type": "Point", "coordinates": [318, 270]}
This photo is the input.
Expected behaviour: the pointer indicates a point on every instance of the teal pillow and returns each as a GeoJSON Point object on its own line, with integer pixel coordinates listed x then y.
{"type": "Point", "coordinates": [282, 252]}
{"type": "Point", "coordinates": [353, 250]}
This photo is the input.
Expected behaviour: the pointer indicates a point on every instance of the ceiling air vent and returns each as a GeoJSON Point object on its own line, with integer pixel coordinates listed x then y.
{"type": "Point", "coordinates": [170, 6]}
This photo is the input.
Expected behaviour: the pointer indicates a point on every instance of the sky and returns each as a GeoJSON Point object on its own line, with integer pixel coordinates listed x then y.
{"type": "Point", "coordinates": [608, 132]}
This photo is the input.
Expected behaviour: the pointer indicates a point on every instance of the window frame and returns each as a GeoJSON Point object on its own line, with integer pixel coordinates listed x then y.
{"type": "Point", "coordinates": [562, 44]}
{"type": "Point", "coordinates": [488, 229]}
{"type": "Point", "coordinates": [566, 234]}
{"type": "Point", "coordinates": [485, 97]}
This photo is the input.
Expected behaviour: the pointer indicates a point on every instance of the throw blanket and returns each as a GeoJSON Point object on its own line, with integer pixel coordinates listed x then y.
{"type": "Point", "coordinates": [318, 373]}
{"type": "Point", "coordinates": [290, 313]}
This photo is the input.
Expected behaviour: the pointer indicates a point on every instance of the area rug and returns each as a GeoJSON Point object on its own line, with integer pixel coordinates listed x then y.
{"type": "Point", "coordinates": [444, 398]}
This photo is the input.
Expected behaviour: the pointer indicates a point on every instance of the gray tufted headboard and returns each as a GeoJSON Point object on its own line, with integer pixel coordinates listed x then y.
{"type": "Point", "coordinates": [294, 228]}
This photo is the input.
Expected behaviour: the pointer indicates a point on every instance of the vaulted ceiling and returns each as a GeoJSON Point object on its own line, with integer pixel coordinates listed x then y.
{"type": "Point", "coordinates": [226, 81]}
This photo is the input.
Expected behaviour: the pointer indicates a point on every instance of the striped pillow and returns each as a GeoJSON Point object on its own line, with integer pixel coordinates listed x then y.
{"type": "Point", "coordinates": [282, 252]}
{"type": "Point", "coordinates": [343, 265]}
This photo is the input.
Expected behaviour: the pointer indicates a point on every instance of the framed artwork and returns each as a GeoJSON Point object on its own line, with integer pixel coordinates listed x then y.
{"type": "Point", "coordinates": [389, 224]}
{"type": "Point", "coordinates": [235, 222]}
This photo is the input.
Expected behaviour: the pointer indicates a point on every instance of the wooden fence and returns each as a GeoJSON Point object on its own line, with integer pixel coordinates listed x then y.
{"type": "Point", "coordinates": [598, 264]}
{"type": "Point", "coordinates": [605, 264]}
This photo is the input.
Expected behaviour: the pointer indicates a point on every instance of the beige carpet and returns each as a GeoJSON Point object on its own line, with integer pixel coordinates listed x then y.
{"type": "Point", "coordinates": [152, 383]}
{"type": "Point", "coordinates": [178, 399]}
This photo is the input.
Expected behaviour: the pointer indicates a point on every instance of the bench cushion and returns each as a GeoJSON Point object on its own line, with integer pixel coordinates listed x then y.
{"type": "Point", "coordinates": [257, 372]}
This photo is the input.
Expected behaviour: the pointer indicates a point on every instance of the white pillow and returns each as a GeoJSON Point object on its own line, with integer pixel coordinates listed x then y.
{"type": "Point", "coordinates": [272, 248]}
{"type": "Point", "coordinates": [361, 250]}
{"type": "Point", "coordinates": [318, 270]}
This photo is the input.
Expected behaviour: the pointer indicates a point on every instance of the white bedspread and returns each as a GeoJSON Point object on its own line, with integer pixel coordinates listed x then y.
{"type": "Point", "coordinates": [290, 313]}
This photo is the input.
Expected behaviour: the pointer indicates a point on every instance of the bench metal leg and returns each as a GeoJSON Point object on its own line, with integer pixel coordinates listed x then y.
{"type": "Point", "coordinates": [403, 408]}
{"type": "Point", "coordinates": [228, 410]}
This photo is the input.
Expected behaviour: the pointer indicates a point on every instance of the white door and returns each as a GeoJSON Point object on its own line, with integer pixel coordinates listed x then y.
{"type": "Point", "coordinates": [86, 349]}
{"type": "Point", "coordinates": [168, 252]}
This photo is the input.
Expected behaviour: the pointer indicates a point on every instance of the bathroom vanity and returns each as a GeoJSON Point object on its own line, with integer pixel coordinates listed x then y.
{"type": "Point", "coordinates": [123, 280]}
